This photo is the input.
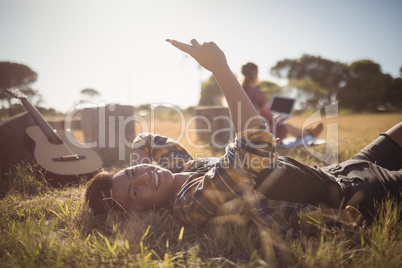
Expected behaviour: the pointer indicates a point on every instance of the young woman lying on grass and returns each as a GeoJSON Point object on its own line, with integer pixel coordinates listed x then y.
{"type": "Point", "coordinates": [249, 179]}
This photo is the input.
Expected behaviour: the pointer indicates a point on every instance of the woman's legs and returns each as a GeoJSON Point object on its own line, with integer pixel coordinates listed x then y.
{"type": "Point", "coordinates": [379, 176]}
{"type": "Point", "coordinates": [295, 182]}
{"type": "Point", "coordinates": [395, 133]}
{"type": "Point", "coordinates": [386, 150]}
{"type": "Point", "coordinates": [294, 131]}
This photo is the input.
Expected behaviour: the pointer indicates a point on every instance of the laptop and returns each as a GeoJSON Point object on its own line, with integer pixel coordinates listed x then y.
{"type": "Point", "coordinates": [282, 106]}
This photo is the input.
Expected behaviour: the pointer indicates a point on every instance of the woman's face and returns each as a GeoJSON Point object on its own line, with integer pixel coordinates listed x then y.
{"type": "Point", "coordinates": [254, 75]}
{"type": "Point", "coordinates": [143, 187]}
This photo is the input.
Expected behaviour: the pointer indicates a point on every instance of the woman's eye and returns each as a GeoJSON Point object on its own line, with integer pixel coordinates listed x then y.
{"type": "Point", "coordinates": [132, 171]}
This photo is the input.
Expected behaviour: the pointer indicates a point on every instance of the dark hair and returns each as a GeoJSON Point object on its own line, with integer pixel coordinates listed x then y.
{"type": "Point", "coordinates": [98, 195]}
{"type": "Point", "coordinates": [247, 70]}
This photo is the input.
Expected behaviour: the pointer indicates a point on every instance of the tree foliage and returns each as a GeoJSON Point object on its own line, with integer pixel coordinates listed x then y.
{"type": "Point", "coordinates": [269, 89]}
{"type": "Point", "coordinates": [17, 75]}
{"type": "Point", "coordinates": [89, 94]}
{"type": "Point", "coordinates": [395, 93]}
{"type": "Point", "coordinates": [211, 93]}
{"type": "Point", "coordinates": [310, 93]}
{"type": "Point", "coordinates": [327, 75]}
{"type": "Point", "coordinates": [367, 87]}
{"type": "Point", "coordinates": [359, 86]}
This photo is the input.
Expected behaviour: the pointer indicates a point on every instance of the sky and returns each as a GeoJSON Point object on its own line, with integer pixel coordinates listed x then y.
{"type": "Point", "coordinates": [118, 47]}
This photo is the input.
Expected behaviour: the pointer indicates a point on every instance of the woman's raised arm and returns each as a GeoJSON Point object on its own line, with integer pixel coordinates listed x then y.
{"type": "Point", "coordinates": [212, 58]}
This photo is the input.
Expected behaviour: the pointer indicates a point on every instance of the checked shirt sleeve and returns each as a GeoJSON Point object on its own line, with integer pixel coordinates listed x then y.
{"type": "Point", "coordinates": [231, 178]}
{"type": "Point", "coordinates": [165, 151]}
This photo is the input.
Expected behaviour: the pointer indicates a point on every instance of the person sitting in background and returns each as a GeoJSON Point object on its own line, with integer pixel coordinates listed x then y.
{"type": "Point", "coordinates": [250, 178]}
{"type": "Point", "coordinates": [279, 129]}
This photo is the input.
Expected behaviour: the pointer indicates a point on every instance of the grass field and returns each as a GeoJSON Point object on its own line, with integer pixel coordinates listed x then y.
{"type": "Point", "coordinates": [46, 227]}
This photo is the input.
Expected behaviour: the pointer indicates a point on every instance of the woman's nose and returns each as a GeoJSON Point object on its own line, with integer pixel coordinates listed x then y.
{"type": "Point", "coordinates": [143, 179]}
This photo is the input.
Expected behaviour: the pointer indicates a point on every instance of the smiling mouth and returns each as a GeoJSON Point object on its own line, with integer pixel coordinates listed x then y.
{"type": "Point", "coordinates": [156, 180]}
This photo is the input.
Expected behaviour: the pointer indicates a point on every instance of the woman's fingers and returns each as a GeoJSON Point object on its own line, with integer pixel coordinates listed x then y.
{"type": "Point", "coordinates": [208, 55]}
{"type": "Point", "coordinates": [194, 42]}
{"type": "Point", "coordinates": [182, 46]}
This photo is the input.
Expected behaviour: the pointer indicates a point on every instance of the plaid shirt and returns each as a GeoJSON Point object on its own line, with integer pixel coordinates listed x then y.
{"type": "Point", "coordinates": [226, 189]}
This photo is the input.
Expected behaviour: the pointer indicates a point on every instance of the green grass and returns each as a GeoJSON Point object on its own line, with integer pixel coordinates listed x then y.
{"type": "Point", "coordinates": [45, 227]}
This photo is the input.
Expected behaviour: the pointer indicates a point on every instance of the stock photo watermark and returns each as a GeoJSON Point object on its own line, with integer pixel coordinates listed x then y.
{"type": "Point", "coordinates": [111, 126]}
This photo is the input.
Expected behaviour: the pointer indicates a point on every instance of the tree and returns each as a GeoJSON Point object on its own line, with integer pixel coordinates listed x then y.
{"type": "Point", "coordinates": [366, 88]}
{"type": "Point", "coordinates": [269, 89]}
{"type": "Point", "coordinates": [211, 93]}
{"type": "Point", "coordinates": [395, 93]}
{"type": "Point", "coordinates": [328, 76]}
{"type": "Point", "coordinates": [310, 93]}
{"type": "Point", "coordinates": [89, 94]}
{"type": "Point", "coordinates": [16, 75]}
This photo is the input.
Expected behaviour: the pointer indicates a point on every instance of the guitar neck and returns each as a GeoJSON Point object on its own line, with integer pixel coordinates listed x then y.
{"type": "Point", "coordinates": [46, 128]}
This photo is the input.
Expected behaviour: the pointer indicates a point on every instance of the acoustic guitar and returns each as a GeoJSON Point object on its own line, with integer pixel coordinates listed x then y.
{"type": "Point", "coordinates": [62, 160]}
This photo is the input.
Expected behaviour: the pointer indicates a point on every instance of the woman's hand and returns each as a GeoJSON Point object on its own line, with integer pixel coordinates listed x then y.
{"type": "Point", "coordinates": [208, 55]}
{"type": "Point", "coordinates": [212, 58]}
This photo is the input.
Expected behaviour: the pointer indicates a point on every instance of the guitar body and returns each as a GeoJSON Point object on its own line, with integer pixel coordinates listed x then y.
{"type": "Point", "coordinates": [63, 163]}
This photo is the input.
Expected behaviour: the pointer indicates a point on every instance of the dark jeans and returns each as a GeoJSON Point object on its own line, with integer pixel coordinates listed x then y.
{"type": "Point", "coordinates": [372, 174]}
